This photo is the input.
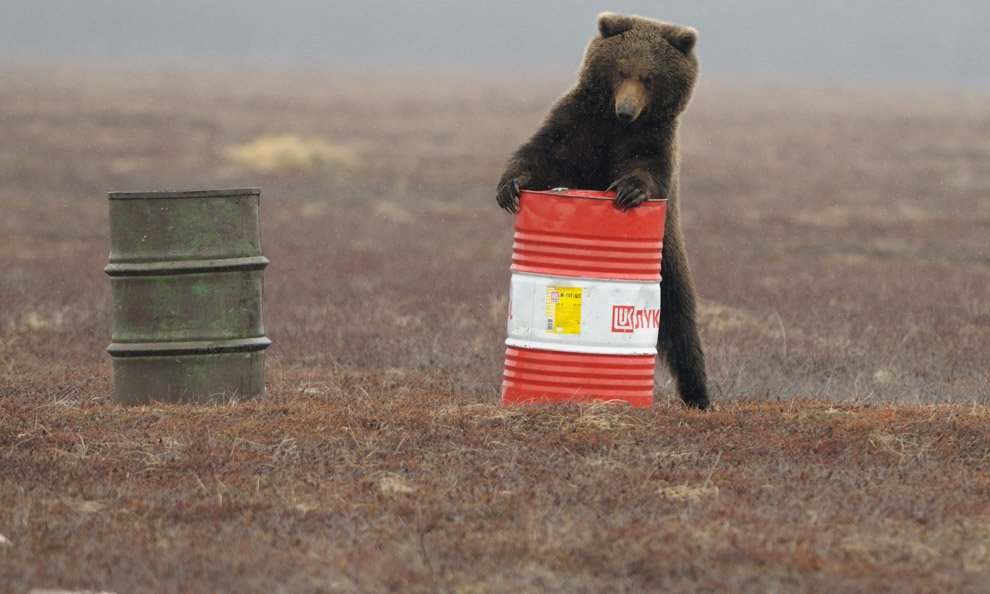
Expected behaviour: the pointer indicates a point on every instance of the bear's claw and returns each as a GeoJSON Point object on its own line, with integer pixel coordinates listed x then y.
{"type": "Point", "coordinates": [629, 193]}
{"type": "Point", "coordinates": [508, 196]}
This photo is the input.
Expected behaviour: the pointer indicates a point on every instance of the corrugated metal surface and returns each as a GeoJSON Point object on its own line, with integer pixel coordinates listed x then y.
{"type": "Point", "coordinates": [579, 233]}
{"type": "Point", "coordinates": [539, 376]}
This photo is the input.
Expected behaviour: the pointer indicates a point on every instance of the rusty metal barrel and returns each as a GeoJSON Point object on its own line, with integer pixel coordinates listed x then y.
{"type": "Point", "coordinates": [186, 272]}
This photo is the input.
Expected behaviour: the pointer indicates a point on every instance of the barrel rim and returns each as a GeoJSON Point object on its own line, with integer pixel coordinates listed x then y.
{"type": "Point", "coordinates": [221, 193]}
{"type": "Point", "coordinates": [587, 279]}
{"type": "Point", "coordinates": [582, 194]}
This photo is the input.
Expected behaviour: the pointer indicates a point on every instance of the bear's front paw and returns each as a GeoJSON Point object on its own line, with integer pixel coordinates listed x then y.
{"type": "Point", "coordinates": [508, 195]}
{"type": "Point", "coordinates": [630, 192]}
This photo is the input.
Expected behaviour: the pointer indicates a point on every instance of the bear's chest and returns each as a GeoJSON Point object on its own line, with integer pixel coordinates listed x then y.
{"type": "Point", "coordinates": [584, 158]}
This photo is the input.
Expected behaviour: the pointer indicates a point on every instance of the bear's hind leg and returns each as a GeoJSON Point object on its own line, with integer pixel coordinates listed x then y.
{"type": "Point", "coordinates": [679, 340]}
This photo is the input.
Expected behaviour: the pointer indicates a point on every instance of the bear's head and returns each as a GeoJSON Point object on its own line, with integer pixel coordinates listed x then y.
{"type": "Point", "coordinates": [647, 67]}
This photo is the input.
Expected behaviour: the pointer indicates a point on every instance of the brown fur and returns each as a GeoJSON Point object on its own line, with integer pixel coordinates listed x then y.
{"type": "Point", "coordinates": [617, 129]}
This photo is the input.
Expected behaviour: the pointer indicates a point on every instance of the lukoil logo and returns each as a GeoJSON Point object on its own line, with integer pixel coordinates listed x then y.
{"type": "Point", "coordinates": [626, 318]}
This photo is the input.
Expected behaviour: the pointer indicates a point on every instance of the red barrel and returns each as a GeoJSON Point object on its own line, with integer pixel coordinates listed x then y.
{"type": "Point", "coordinates": [584, 299]}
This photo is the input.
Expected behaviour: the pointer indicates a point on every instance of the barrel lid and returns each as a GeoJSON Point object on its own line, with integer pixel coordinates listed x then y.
{"type": "Point", "coordinates": [184, 194]}
{"type": "Point", "coordinates": [592, 194]}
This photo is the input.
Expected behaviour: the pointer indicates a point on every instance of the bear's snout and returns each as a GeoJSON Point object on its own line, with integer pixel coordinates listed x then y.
{"type": "Point", "coordinates": [626, 111]}
{"type": "Point", "coordinates": [630, 98]}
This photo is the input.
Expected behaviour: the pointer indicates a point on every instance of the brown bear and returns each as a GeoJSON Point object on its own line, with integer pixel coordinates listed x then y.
{"type": "Point", "coordinates": [617, 129]}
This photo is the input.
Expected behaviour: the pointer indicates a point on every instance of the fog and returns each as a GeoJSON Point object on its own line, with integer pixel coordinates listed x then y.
{"type": "Point", "coordinates": [910, 41]}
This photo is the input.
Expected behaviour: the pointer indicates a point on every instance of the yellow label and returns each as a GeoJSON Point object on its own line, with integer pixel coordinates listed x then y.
{"type": "Point", "coordinates": [564, 310]}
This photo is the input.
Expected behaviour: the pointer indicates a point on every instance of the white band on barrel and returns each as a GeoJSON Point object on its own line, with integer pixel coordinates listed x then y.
{"type": "Point", "coordinates": [583, 315]}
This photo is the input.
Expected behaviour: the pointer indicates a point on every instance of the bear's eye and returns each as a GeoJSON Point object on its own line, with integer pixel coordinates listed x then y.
{"type": "Point", "coordinates": [646, 79]}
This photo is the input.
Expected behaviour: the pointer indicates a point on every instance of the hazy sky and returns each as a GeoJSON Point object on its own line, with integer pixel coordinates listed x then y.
{"type": "Point", "coordinates": [886, 40]}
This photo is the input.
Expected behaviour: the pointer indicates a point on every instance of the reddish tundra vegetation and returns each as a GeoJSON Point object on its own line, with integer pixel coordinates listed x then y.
{"type": "Point", "coordinates": [839, 242]}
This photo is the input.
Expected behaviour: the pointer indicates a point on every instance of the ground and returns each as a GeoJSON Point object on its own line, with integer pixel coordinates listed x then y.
{"type": "Point", "coordinates": [838, 238]}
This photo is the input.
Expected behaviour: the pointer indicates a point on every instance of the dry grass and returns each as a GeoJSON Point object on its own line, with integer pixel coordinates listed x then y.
{"type": "Point", "coordinates": [839, 242]}
{"type": "Point", "coordinates": [291, 154]}
{"type": "Point", "coordinates": [411, 487]}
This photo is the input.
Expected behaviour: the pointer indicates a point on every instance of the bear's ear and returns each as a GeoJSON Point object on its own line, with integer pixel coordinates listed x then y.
{"type": "Point", "coordinates": [610, 24]}
{"type": "Point", "coordinates": [683, 38]}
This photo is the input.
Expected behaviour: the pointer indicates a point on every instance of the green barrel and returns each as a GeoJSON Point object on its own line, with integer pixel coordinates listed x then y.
{"type": "Point", "coordinates": [186, 272]}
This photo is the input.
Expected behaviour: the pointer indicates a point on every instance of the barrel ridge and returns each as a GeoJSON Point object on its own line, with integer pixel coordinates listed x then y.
{"type": "Point", "coordinates": [206, 347]}
{"type": "Point", "coordinates": [581, 234]}
{"type": "Point", "coordinates": [143, 195]}
{"type": "Point", "coordinates": [534, 376]}
{"type": "Point", "coordinates": [169, 267]}
{"type": "Point", "coordinates": [557, 253]}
